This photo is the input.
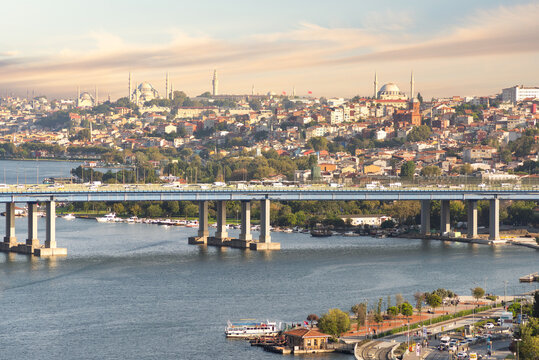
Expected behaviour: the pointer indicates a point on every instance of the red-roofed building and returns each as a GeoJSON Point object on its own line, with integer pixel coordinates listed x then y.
{"type": "Point", "coordinates": [306, 339]}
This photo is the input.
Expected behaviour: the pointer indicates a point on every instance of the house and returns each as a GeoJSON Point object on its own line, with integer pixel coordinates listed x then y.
{"type": "Point", "coordinates": [360, 220]}
{"type": "Point", "coordinates": [306, 339]}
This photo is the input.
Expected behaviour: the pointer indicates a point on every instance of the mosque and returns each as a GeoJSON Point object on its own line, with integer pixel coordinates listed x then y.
{"type": "Point", "coordinates": [390, 94]}
{"type": "Point", "coordinates": [146, 92]}
{"type": "Point", "coordinates": [86, 100]}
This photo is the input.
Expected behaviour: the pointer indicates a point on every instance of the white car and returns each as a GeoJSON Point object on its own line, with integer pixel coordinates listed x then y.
{"type": "Point", "coordinates": [489, 326]}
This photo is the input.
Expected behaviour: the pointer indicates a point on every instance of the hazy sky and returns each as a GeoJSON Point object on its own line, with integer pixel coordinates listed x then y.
{"type": "Point", "coordinates": [331, 48]}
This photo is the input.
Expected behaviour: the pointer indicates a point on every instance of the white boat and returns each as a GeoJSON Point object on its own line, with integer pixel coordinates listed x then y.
{"type": "Point", "coordinates": [132, 220]}
{"type": "Point", "coordinates": [110, 217]}
{"type": "Point", "coordinates": [68, 217]}
{"type": "Point", "coordinates": [251, 329]}
{"type": "Point", "coordinates": [192, 223]}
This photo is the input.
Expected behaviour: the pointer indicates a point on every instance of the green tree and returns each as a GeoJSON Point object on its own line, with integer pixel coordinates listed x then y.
{"type": "Point", "coordinates": [334, 322]}
{"type": "Point", "coordinates": [433, 300]}
{"type": "Point", "coordinates": [118, 208]}
{"type": "Point", "coordinates": [360, 311]}
{"type": "Point", "coordinates": [154, 210]}
{"type": "Point", "coordinates": [529, 346]}
{"type": "Point", "coordinates": [478, 293]}
{"type": "Point", "coordinates": [536, 305]}
{"type": "Point", "coordinates": [419, 133]}
{"type": "Point", "coordinates": [318, 143]}
{"type": "Point", "coordinates": [419, 299]}
{"type": "Point", "coordinates": [431, 171]}
{"type": "Point", "coordinates": [407, 309]}
{"type": "Point", "coordinates": [408, 169]}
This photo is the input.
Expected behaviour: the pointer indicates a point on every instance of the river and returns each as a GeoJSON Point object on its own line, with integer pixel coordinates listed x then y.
{"type": "Point", "coordinates": [140, 292]}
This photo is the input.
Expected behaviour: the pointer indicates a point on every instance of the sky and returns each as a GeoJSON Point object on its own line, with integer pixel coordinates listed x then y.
{"type": "Point", "coordinates": [331, 48]}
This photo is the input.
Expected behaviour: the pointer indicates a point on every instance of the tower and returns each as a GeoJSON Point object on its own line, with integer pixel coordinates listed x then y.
{"type": "Point", "coordinates": [166, 86]}
{"type": "Point", "coordinates": [253, 90]}
{"type": "Point", "coordinates": [412, 85]}
{"type": "Point", "coordinates": [171, 96]}
{"type": "Point", "coordinates": [294, 92]}
{"type": "Point", "coordinates": [375, 86]}
{"type": "Point", "coordinates": [215, 83]}
{"type": "Point", "coordinates": [129, 88]}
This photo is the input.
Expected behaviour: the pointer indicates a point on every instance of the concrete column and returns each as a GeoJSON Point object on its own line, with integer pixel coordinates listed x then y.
{"type": "Point", "coordinates": [472, 218]}
{"type": "Point", "coordinates": [494, 220]}
{"type": "Point", "coordinates": [50, 227]}
{"type": "Point", "coordinates": [445, 225]}
{"type": "Point", "coordinates": [425, 217]}
{"type": "Point", "coordinates": [203, 219]}
{"type": "Point", "coordinates": [221, 233]}
{"type": "Point", "coordinates": [265, 221]}
{"type": "Point", "coordinates": [32, 239]}
{"type": "Point", "coordinates": [245, 233]}
{"type": "Point", "coordinates": [10, 225]}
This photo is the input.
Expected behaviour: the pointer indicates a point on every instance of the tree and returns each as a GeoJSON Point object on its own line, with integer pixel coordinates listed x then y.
{"type": "Point", "coordinates": [419, 299]}
{"type": "Point", "coordinates": [154, 210]}
{"type": "Point", "coordinates": [407, 309]}
{"type": "Point", "coordinates": [433, 300]}
{"type": "Point", "coordinates": [466, 169]}
{"type": "Point", "coordinates": [392, 311]}
{"type": "Point", "coordinates": [334, 322]}
{"type": "Point", "coordinates": [419, 133]}
{"type": "Point", "coordinates": [431, 171]}
{"type": "Point", "coordinates": [118, 208]}
{"type": "Point", "coordinates": [408, 169]}
{"type": "Point", "coordinates": [318, 143]}
{"type": "Point", "coordinates": [536, 305]}
{"type": "Point", "coordinates": [529, 347]}
{"type": "Point", "coordinates": [255, 105]}
{"type": "Point", "coordinates": [360, 310]}
{"type": "Point", "coordinates": [420, 98]}
{"type": "Point", "coordinates": [311, 318]}
{"type": "Point", "coordinates": [478, 293]}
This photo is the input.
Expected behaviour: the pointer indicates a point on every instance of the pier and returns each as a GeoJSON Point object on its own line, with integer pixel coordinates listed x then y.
{"type": "Point", "coordinates": [204, 193]}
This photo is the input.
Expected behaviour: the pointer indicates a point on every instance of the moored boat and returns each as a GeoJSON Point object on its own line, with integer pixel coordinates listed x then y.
{"type": "Point", "coordinates": [110, 217]}
{"type": "Point", "coordinates": [251, 329]}
{"type": "Point", "coordinates": [68, 217]}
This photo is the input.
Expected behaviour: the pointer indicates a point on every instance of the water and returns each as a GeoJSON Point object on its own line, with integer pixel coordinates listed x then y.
{"type": "Point", "coordinates": [139, 291]}
{"type": "Point", "coordinates": [32, 171]}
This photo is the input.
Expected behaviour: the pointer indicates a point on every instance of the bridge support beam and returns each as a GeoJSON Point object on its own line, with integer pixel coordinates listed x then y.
{"type": "Point", "coordinates": [10, 240]}
{"type": "Point", "coordinates": [221, 232]}
{"type": "Point", "coordinates": [203, 220]}
{"type": "Point", "coordinates": [264, 240]}
{"type": "Point", "coordinates": [50, 248]}
{"type": "Point", "coordinates": [32, 241]}
{"type": "Point", "coordinates": [445, 225]}
{"type": "Point", "coordinates": [472, 218]}
{"type": "Point", "coordinates": [494, 220]}
{"type": "Point", "coordinates": [425, 217]}
{"type": "Point", "coordinates": [245, 233]}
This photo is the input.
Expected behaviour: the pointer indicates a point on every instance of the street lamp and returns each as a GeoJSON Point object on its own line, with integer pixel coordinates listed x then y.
{"type": "Point", "coordinates": [517, 341]}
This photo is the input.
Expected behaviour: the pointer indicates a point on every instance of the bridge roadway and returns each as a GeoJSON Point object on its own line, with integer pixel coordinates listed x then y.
{"type": "Point", "coordinates": [203, 193]}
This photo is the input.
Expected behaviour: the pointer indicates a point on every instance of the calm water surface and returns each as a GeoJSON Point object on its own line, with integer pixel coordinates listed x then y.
{"type": "Point", "coordinates": [139, 291]}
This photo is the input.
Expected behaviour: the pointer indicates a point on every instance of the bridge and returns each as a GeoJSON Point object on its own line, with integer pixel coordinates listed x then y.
{"type": "Point", "coordinates": [203, 193]}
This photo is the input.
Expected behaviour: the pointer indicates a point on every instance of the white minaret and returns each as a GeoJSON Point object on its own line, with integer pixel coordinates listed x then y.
{"type": "Point", "coordinates": [412, 86]}
{"type": "Point", "coordinates": [375, 85]}
{"type": "Point", "coordinates": [171, 96]}
{"type": "Point", "coordinates": [294, 91]}
{"type": "Point", "coordinates": [253, 89]}
{"type": "Point", "coordinates": [215, 83]}
{"type": "Point", "coordinates": [166, 86]}
{"type": "Point", "coordinates": [129, 88]}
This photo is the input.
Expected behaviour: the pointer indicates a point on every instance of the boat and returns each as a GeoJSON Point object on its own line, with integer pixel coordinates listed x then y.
{"type": "Point", "coordinates": [68, 217]}
{"type": "Point", "coordinates": [192, 223]}
{"type": "Point", "coordinates": [132, 220]}
{"type": "Point", "coordinates": [251, 329]}
{"type": "Point", "coordinates": [321, 232]}
{"type": "Point", "coordinates": [110, 217]}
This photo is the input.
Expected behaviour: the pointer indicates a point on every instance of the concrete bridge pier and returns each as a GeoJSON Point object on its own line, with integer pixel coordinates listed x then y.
{"type": "Point", "coordinates": [445, 225]}
{"type": "Point", "coordinates": [221, 233]}
{"type": "Point", "coordinates": [264, 240]}
{"type": "Point", "coordinates": [50, 233]}
{"type": "Point", "coordinates": [203, 232]}
{"type": "Point", "coordinates": [494, 220]}
{"type": "Point", "coordinates": [10, 240]}
{"type": "Point", "coordinates": [472, 218]}
{"type": "Point", "coordinates": [425, 217]}
{"type": "Point", "coordinates": [32, 241]}
{"type": "Point", "coordinates": [246, 238]}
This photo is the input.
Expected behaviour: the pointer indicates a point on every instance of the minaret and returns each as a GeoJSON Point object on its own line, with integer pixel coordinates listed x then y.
{"type": "Point", "coordinates": [129, 88]}
{"type": "Point", "coordinates": [215, 83]}
{"type": "Point", "coordinates": [412, 86]}
{"type": "Point", "coordinates": [166, 86]}
{"type": "Point", "coordinates": [253, 90]}
{"type": "Point", "coordinates": [78, 94]}
{"type": "Point", "coordinates": [171, 95]}
{"type": "Point", "coordinates": [375, 85]}
{"type": "Point", "coordinates": [294, 92]}
{"type": "Point", "coordinates": [96, 97]}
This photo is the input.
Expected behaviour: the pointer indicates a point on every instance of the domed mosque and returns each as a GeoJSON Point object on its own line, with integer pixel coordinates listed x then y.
{"type": "Point", "coordinates": [391, 91]}
{"type": "Point", "coordinates": [144, 92]}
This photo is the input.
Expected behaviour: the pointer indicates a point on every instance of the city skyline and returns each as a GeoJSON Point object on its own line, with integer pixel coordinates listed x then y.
{"type": "Point", "coordinates": [309, 46]}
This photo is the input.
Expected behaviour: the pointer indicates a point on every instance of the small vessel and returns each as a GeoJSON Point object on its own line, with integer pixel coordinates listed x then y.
{"type": "Point", "coordinates": [249, 329]}
{"type": "Point", "coordinates": [110, 217]}
{"type": "Point", "coordinates": [132, 220]}
{"type": "Point", "coordinates": [68, 217]}
{"type": "Point", "coordinates": [321, 232]}
{"type": "Point", "coordinates": [192, 223]}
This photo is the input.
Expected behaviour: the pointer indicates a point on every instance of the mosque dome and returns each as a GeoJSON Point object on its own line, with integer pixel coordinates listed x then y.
{"type": "Point", "coordinates": [390, 88]}
{"type": "Point", "coordinates": [85, 96]}
{"type": "Point", "coordinates": [145, 86]}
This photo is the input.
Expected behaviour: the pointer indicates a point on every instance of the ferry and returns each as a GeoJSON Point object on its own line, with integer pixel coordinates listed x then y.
{"type": "Point", "coordinates": [250, 329]}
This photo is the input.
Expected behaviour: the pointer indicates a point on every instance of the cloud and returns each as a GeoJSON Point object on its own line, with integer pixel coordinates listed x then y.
{"type": "Point", "coordinates": [309, 52]}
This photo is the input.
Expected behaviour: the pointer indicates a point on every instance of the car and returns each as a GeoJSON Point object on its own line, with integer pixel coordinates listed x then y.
{"type": "Point", "coordinates": [462, 355]}
{"type": "Point", "coordinates": [489, 325]}
{"type": "Point", "coordinates": [452, 347]}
